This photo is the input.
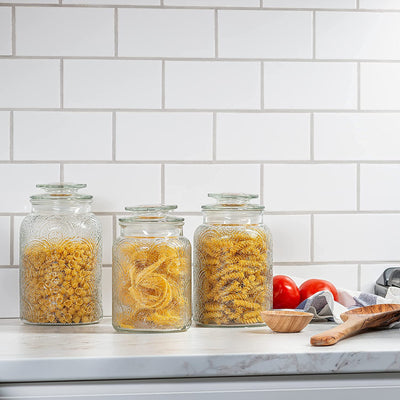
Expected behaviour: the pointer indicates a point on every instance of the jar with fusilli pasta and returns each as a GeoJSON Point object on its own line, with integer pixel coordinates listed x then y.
{"type": "Point", "coordinates": [60, 258]}
{"type": "Point", "coordinates": [151, 272]}
{"type": "Point", "coordinates": [232, 263]}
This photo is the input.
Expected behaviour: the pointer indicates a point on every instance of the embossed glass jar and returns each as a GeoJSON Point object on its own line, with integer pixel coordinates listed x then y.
{"type": "Point", "coordinates": [60, 259]}
{"type": "Point", "coordinates": [151, 272]}
{"type": "Point", "coordinates": [232, 263]}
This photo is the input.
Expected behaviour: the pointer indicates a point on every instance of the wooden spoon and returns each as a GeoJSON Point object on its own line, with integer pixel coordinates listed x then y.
{"type": "Point", "coordinates": [357, 321]}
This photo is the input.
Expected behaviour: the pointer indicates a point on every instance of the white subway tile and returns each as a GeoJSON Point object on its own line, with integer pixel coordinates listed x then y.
{"type": "Point", "coordinates": [369, 273]}
{"type": "Point", "coordinates": [251, 136]}
{"type": "Point", "coordinates": [19, 182]}
{"type": "Point", "coordinates": [310, 3]}
{"type": "Point", "coordinates": [291, 235]}
{"type": "Point", "coordinates": [213, 3]}
{"type": "Point", "coordinates": [115, 2]}
{"type": "Point", "coordinates": [254, 34]}
{"type": "Point", "coordinates": [356, 237]}
{"type": "Point", "coordinates": [191, 224]}
{"type": "Point", "coordinates": [29, 83]}
{"type": "Point", "coordinates": [188, 185]}
{"type": "Point", "coordinates": [115, 186]}
{"type": "Point", "coordinates": [380, 4]}
{"type": "Point", "coordinates": [108, 237]}
{"type": "Point", "coordinates": [356, 136]}
{"type": "Point", "coordinates": [306, 85]}
{"type": "Point", "coordinates": [55, 31]}
{"type": "Point", "coordinates": [342, 276]}
{"type": "Point", "coordinates": [112, 84]}
{"type": "Point", "coordinates": [67, 135]}
{"type": "Point", "coordinates": [164, 136]}
{"type": "Point", "coordinates": [9, 293]}
{"type": "Point", "coordinates": [5, 31]}
{"type": "Point", "coordinates": [165, 33]}
{"type": "Point", "coordinates": [356, 35]}
{"type": "Point", "coordinates": [209, 84]}
{"type": "Point", "coordinates": [306, 187]}
{"type": "Point", "coordinates": [379, 187]}
{"type": "Point", "coordinates": [380, 86]}
{"type": "Point", "coordinates": [4, 240]}
{"type": "Point", "coordinates": [107, 291]}
{"type": "Point", "coordinates": [4, 135]}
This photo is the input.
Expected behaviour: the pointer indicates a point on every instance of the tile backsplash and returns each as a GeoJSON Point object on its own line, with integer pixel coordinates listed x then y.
{"type": "Point", "coordinates": [166, 100]}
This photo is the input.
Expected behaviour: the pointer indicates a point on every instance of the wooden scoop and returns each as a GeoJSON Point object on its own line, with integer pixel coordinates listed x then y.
{"type": "Point", "coordinates": [357, 321]}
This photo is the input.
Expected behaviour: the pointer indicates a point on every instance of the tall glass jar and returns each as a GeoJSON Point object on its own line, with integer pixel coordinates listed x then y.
{"type": "Point", "coordinates": [60, 259]}
{"type": "Point", "coordinates": [232, 263]}
{"type": "Point", "coordinates": [151, 272]}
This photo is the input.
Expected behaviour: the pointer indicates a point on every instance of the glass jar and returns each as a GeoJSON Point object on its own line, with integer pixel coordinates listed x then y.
{"type": "Point", "coordinates": [151, 272]}
{"type": "Point", "coordinates": [60, 259]}
{"type": "Point", "coordinates": [232, 263]}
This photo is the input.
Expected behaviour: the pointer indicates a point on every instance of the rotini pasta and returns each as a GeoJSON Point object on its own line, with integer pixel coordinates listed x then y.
{"type": "Point", "coordinates": [151, 284]}
{"type": "Point", "coordinates": [233, 274]}
{"type": "Point", "coordinates": [60, 281]}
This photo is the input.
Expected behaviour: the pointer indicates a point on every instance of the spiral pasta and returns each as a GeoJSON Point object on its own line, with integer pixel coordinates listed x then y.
{"type": "Point", "coordinates": [233, 279]}
{"type": "Point", "coordinates": [151, 288]}
{"type": "Point", "coordinates": [60, 281]}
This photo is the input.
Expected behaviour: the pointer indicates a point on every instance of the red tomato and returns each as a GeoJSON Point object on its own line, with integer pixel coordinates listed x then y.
{"type": "Point", "coordinates": [308, 288]}
{"type": "Point", "coordinates": [286, 292]}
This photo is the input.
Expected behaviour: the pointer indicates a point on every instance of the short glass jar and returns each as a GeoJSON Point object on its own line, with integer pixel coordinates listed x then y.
{"type": "Point", "coordinates": [151, 272]}
{"type": "Point", "coordinates": [232, 263]}
{"type": "Point", "coordinates": [60, 259]}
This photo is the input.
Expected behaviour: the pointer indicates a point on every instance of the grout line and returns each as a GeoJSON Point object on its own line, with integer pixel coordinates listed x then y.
{"type": "Point", "coordinates": [61, 83]}
{"type": "Point", "coordinates": [114, 136]}
{"type": "Point", "coordinates": [312, 237]}
{"type": "Point", "coordinates": [262, 86]}
{"type": "Point", "coordinates": [312, 136]}
{"type": "Point", "coordinates": [314, 35]}
{"type": "Point", "coordinates": [358, 86]}
{"type": "Point", "coordinates": [219, 59]}
{"type": "Point", "coordinates": [358, 186]}
{"type": "Point", "coordinates": [358, 4]}
{"type": "Point", "coordinates": [206, 162]}
{"type": "Point", "coordinates": [214, 137]}
{"type": "Point", "coordinates": [163, 84]}
{"type": "Point", "coordinates": [162, 3]}
{"type": "Point", "coordinates": [216, 32]}
{"type": "Point", "coordinates": [61, 173]}
{"type": "Point", "coordinates": [359, 277]}
{"type": "Point", "coordinates": [116, 32]}
{"type": "Point", "coordinates": [261, 3]}
{"type": "Point", "coordinates": [11, 240]}
{"type": "Point", "coordinates": [262, 200]}
{"type": "Point", "coordinates": [13, 32]}
{"type": "Point", "coordinates": [162, 183]}
{"type": "Point", "coordinates": [11, 136]}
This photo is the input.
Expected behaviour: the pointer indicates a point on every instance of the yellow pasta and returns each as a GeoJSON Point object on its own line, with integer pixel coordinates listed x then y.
{"type": "Point", "coordinates": [60, 280]}
{"type": "Point", "coordinates": [233, 275]}
{"type": "Point", "coordinates": [151, 288]}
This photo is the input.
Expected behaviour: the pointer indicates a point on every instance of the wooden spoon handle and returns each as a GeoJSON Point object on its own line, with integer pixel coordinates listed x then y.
{"type": "Point", "coordinates": [342, 331]}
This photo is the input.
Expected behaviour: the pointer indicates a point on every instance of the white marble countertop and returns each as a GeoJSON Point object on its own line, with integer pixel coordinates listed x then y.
{"type": "Point", "coordinates": [97, 352]}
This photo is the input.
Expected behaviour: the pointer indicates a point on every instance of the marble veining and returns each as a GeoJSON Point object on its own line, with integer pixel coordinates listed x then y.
{"type": "Point", "coordinates": [34, 353]}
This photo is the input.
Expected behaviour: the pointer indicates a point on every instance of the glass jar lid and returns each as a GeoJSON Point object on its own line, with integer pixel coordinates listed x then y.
{"type": "Point", "coordinates": [61, 192]}
{"type": "Point", "coordinates": [233, 201]}
{"type": "Point", "coordinates": [151, 213]}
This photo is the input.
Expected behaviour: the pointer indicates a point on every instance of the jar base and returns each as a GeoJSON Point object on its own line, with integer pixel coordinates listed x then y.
{"type": "Point", "coordinates": [26, 322]}
{"type": "Point", "coordinates": [127, 330]}
{"type": "Point", "coordinates": [200, 324]}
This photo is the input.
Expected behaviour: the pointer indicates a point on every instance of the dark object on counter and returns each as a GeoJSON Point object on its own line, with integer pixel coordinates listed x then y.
{"type": "Point", "coordinates": [390, 277]}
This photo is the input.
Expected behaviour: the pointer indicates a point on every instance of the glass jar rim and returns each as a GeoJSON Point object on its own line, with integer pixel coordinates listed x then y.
{"type": "Point", "coordinates": [139, 220]}
{"type": "Point", "coordinates": [233, 201]}
{"type": "Point", "coordinates": [62, 192]}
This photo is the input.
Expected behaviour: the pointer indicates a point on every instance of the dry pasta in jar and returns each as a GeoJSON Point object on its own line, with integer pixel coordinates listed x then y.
{"type": "Point", "coordinates": [151, 272]}
{"type": "Point", "coordinates": [232, 263]}
{"type": "Point", "coordinates": [60, 259]}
